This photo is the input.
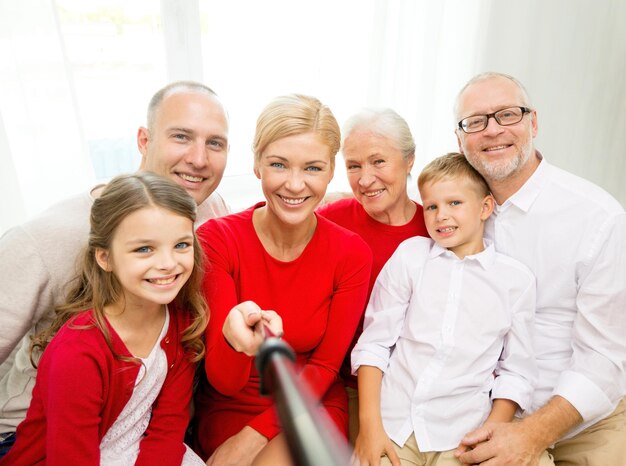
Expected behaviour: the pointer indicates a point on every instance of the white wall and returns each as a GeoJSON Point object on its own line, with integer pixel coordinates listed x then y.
{"type": "Point", "coordinates": [571, 56]}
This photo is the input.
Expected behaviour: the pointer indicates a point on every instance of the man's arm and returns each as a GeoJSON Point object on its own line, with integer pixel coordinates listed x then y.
{"type": "Point", "coordinates": [37, 261]}
{"type": "Point", "coordinates": [25, 288]}
{"type": "Point", "coordinates": [594, 381]}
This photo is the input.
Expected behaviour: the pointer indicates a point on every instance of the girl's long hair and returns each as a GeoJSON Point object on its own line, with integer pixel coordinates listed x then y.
{"type": "Point", "coordinates": [95, 288]}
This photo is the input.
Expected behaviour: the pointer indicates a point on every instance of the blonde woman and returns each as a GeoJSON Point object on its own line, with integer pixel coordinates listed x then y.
{"type": "Point", "coordinates": [280, 255]}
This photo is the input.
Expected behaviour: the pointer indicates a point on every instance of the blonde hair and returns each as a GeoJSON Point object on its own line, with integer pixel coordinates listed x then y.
{"type": "Point", "coordinates": [452, 165]}
{"type": "Point", "coordinates": [96, 288]}
{"type": "Point", "coordinates": [295, 114]}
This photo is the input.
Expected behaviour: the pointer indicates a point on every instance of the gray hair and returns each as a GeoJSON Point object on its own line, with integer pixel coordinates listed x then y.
{"type": "Point", "coordinates": [172, 88]}
{"type": "Point", "coordinates": [490, 75]}
{"type": "Point", "coordinates": [383, 122]}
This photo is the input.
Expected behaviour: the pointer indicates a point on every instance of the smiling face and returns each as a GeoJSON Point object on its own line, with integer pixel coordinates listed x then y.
{"type": "Point", "coordinates": [294, 173]}
{"type": "Point", "coordinates": [151, 255]}
{"type": "Point", "coordinates": [377, 172]}
{"type": "Point", "coordinates": [498, 152]}
{"type": "Point", "coordinates": [188, 142]}
{"type": "Point", "coordinates": [454, 213]}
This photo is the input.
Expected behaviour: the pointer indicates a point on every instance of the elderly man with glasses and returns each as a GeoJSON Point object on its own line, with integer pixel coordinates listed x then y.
{"type": "Point", "coordinates": [572, 235]}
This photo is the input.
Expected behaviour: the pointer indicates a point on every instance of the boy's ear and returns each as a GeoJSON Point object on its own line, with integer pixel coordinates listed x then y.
{"type": "Point", "coordinates": [103, 259]}
{"type": "Point", "coordinates": [489, 203]}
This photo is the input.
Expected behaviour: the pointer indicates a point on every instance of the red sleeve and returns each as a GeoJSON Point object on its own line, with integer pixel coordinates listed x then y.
{"type": "Point", "coordinates": [347, 304]}
{"type": "Point", "coordinates": [227, 370]}
{"type": "Point", "coordinates": [163, 441]}
{"type": "Point", "coordinates": [73, 395]}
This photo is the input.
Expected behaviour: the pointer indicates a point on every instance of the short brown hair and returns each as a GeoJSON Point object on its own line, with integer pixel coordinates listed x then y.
{"type": "Point", "coordinates": [453, 164]}
{"type": "Point", "coordinates": [172, 88]}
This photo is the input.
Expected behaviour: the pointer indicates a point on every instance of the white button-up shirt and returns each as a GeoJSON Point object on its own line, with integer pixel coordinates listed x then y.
{"type": "Point", "coordinates": [440, 328]}
{"type": "Point", "coordinates": [572, 235]}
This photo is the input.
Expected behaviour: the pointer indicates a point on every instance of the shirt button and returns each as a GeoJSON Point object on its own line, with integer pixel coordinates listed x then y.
{"type": "Point", "coordinates": [167, 340]}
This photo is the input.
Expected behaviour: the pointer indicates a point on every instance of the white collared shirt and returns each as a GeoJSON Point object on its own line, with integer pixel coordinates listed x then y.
{"type": "Point", "coordinates": [572, 235]}
{"type": "Point", "coordinates": [440, 328]}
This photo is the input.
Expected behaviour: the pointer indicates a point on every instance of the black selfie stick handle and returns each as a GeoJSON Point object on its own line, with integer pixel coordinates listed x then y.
{"type": "Point", "coordinates": [312, 437]}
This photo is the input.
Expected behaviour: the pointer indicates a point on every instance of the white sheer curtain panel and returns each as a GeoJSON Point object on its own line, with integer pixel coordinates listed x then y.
{"type": "Point", "coordinates": [403, 54]}
{"type": "Point", "coordinates": [421, 51]}
{"type": "Point", "coordinates": [43, 156]}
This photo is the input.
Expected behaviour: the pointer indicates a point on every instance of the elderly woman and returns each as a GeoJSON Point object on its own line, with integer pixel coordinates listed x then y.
{"type": "Point", "coordinates": [379, 151]}
{"type": "Point", "coordinates": [280, 255]}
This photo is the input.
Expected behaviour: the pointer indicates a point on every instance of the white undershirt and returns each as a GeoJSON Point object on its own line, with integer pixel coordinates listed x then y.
{"type": "Point", "coordinates": [120, 445]}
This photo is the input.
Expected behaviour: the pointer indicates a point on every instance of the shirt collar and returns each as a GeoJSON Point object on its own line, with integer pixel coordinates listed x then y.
{"type": "Point", "coordinates": [530, 190]}
{"type": "Point", "coordinates": [485, 258]}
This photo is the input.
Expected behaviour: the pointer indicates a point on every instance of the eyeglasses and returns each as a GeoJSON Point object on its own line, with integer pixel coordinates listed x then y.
{"type": "Point", "coordinates": [504, 117]}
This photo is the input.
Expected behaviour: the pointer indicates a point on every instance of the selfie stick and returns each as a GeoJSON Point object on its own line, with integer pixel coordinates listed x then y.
{"type": "Point", "coordinates": [312, 437]}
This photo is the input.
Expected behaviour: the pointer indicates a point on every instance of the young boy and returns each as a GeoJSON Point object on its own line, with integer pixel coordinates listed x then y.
{"type": "Point", "coordinates": [446, 345]}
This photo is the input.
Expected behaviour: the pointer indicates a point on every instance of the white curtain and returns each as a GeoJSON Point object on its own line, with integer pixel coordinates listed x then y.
{"type": "Point", "coordinates": [43, 158]}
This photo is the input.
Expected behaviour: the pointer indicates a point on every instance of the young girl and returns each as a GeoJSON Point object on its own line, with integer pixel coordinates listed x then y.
{"type": "Point", "coordinates": [113, 386]}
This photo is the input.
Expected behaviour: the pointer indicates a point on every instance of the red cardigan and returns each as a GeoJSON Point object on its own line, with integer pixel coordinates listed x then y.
{"type": "Point", "coordinates": [320, 297]}
{"type": "Point", "coordinates": [81, 388]}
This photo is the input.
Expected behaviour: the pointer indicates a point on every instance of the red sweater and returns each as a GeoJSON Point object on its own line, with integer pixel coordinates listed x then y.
{"type": "Point", "coordinates": [383, 239]}
{"type": "Point", "coordinates": [80, 390]}
{"type": "Point", "coordinates": [320, 297]}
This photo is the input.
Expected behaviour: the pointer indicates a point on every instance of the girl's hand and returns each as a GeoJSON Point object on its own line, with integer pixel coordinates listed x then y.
{"type": "Point", "coordinates": [244, 327]}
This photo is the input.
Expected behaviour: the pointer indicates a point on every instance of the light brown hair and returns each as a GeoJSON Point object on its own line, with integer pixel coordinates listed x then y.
{"type": "Point", "coordinates": [452, 165]}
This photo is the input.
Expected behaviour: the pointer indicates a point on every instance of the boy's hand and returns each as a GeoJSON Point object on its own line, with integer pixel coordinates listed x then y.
{"type": "Point", "coordinates": [371, 444]}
